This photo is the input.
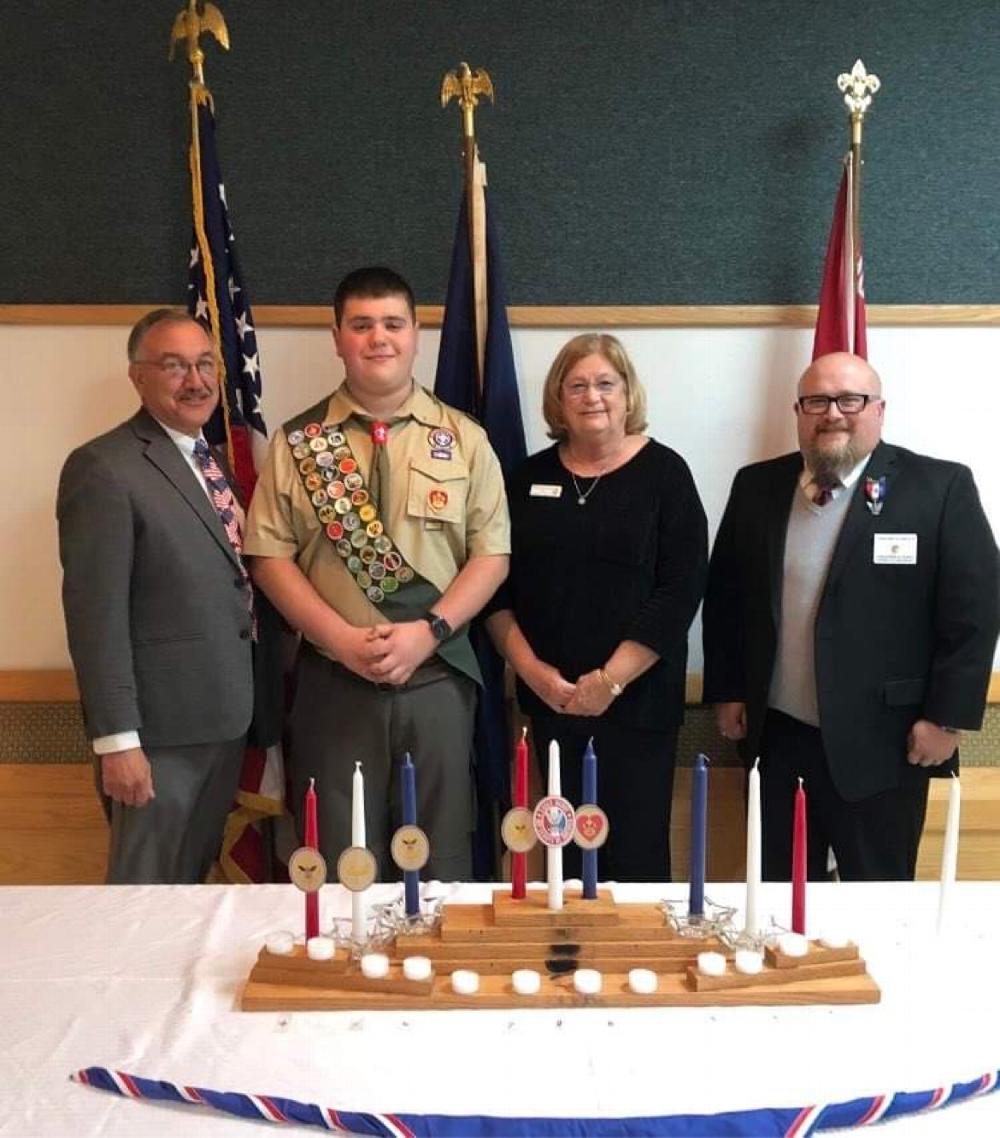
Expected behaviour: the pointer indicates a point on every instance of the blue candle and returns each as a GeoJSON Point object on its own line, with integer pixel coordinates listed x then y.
{"type": "Point", "coordinates": [411, 877]}
{"type": "Point", "coordinates": [590, 799]}
{"type": "Point", "coordinates": [699, 813]}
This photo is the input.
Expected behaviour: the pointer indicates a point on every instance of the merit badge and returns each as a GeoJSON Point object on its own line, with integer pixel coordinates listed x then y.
{"type": "Point", "coordinates": [437, 499]}
{"type": "Point", "coordinates": [359, 539]}
{"type": "Point", "coordinates": [875, 494]}
{"type": "Point", "coordinates": [313, 480]}
{"type": "Point", "coordinates": [307, 869]}
{"type": "Point", "coordinates": [517, 831]}
{"type": "Point", "coordinates": [380, 433]}
{"type": "Point", "coordinates": [410, 848]}
{"type": "Point", "coordinates": [591, 827]}
{"type": "Point", "coordinates": [334, 531]}
{"type": "Point", "coordinates": [296, 437]}
{"type": "Point", "coordinates": [344, 547]}
{"type": "Point", "coordinates": [327, 514]}
{"type": "Point", "coordinates": [553, 821]}
{"type": "Point", "coordinates": [311, 430]}
{"type": "Point", "coordinates": [356, 868]}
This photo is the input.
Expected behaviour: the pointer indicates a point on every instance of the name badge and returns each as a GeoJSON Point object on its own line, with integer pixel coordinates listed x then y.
{"type": "Point", "coordinates": [895, 549]}
{"type": "Point", "coordinates": [544, 490]}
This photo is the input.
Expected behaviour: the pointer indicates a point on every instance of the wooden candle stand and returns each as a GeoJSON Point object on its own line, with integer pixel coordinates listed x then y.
{"type": "Point", "coordinates": [497, 939]}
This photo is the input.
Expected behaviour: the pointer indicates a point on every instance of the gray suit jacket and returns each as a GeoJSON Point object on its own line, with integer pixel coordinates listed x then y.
{"type": "Point", "coordinates": [155, 607]}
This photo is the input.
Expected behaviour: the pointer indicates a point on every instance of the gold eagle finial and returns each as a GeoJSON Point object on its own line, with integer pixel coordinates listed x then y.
{"type": "Point", "coordinates": [466, 86]}
{"type": "Point", "coordinates": [190, 26]}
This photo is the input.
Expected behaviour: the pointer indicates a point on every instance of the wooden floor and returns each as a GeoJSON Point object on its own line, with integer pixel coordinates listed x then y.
{"type": "Point", "coordinates": [53, 831]}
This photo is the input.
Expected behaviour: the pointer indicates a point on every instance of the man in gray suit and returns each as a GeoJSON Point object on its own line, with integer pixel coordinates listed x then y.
{"type": "Point", "coordinates": [160, 612]}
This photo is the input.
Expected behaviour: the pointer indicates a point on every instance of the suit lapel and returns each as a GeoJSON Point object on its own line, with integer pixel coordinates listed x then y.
{"type": "Point", "coordinates": [779, 504]}
{"type": "Point", "coordinates": [859, 522]}
{"type": "Point", "coordinates": [163, 453]}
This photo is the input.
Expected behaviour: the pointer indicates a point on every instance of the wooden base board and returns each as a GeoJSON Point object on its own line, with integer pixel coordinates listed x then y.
{"type": "Point", "coordinates": [492, 941]}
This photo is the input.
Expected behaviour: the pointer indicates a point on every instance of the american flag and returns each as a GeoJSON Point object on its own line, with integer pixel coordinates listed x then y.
{"type": "Point", "coordinates": [218, 300]}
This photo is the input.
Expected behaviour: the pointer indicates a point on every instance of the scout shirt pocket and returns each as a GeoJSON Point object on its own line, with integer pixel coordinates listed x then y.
{"type": "Point", "coordinates": [437, 491]}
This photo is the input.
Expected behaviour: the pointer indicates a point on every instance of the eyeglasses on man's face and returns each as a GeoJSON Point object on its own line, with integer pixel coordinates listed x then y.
{"type": "Point", "coordinates": [173, 367]}
{"type": "Point", "coordinates": [849, 403]}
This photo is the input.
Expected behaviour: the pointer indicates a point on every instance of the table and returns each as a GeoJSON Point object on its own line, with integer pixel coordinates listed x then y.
{"type": "Point", "coordinates": [144, 979]}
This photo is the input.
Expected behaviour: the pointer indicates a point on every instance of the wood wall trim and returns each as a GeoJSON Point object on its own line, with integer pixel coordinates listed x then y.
{"type": "Point", "coordinates": [616, 316]}
{"type": "Point", "coordinates": [41, 685]}
{"type": "Point", "coordinates": [54, 685]}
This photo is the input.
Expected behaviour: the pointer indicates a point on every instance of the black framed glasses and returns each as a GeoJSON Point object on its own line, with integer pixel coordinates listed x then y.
{"type": "Point", "coordinates": [849, 403]}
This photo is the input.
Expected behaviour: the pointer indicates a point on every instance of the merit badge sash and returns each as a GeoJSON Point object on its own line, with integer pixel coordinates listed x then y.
{"type": "Point", "coordinates": [333, 482]}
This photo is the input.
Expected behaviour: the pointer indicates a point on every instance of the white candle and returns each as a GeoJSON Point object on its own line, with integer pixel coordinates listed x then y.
{"type": "Point", "coordinates": [553, 854]}
{"type": "Point", "coordinates": [359, 909]}
{"type": "Point", "coordinates": [752, 924]}
{"type": "Point", "coordinates": [949, 855]}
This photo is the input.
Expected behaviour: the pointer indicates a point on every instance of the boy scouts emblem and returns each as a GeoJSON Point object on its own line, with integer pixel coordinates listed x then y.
{"type": "Point", "coordinates": [380, 433]}
{"type": "Point", "coordinates": [441, 441]}
{"type": "Point", "coordinates": [875, 494]}
{"type": "Point", "coordinates": [554, 821]}
{"type": "Point", "coordinates": [591, 827]}
{"type": "Point", "coordinates": [437, 499]}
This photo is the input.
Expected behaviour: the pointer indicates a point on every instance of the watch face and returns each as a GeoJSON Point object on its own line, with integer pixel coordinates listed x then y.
{"type": "Point", "coordinates": [439, 626]}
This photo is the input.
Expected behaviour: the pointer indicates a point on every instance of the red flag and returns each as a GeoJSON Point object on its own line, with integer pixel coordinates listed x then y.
{"type": "Point", "coordinates": [841, 323]}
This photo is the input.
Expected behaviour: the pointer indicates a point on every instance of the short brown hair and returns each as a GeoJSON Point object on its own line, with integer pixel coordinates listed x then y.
{"type": "Point", "coordinates": [150, 320]}
{"type": "Point", "coordinates": [372, 282]}
{"type": "Point", "coordinates": [589, 344]}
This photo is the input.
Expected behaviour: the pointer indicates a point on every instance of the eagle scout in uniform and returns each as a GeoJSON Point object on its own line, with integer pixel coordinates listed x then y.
{"type": "Point", "coordinates": [379, 528]}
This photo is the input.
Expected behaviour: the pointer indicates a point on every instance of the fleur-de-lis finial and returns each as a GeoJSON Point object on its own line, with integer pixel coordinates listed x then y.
{"type": "Point", "coordinates": [858, 87]}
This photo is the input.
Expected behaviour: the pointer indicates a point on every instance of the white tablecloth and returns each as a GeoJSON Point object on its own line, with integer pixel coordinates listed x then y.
{"type": "Point", "coordinates": [145, 980]}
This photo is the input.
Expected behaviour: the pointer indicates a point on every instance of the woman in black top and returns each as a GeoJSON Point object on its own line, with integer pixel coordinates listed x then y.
{"type": "Point", "coordinates": [608, 561]}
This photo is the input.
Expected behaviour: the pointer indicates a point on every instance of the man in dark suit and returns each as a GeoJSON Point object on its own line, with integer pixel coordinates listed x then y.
{"type": "Point", "coordinates": [160, 612]}
{"type": "Point", "coordinates": [849, 626]}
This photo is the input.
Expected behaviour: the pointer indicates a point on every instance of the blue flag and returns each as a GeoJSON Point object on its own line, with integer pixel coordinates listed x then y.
{"type": "Point", "coordinates": [498, 410]}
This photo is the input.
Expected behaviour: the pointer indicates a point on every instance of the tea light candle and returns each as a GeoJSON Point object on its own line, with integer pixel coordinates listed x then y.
{"type": "Point", "coordinates": [320, 948]}
{"type": "Point", "coordinates": [834, 939]}
{"type": "Point", "coordinates": [711, 964]}
{"type": "Point", "coordinates": [642, 981]}
{"type": "Point", "coordinates": [464, 982]}
{"type": "Point", "coordinates": [374, 965]}
{"type": "Point", "coordinates": [748, 962]}
{"type": "Point", "coordinates": [417, 968]}
{"type": "Point", "coordinates": [526, 981]}
{"type": "Point", "coordinates": [280, 944]}
{"type": "Point", "coordinates": [793, 944]}
{"type": "Point", "coordinates": [587, 981]}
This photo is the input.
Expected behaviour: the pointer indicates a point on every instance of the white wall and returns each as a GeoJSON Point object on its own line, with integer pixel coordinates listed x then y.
{"type": "Point", "coordinates": [722, 397]}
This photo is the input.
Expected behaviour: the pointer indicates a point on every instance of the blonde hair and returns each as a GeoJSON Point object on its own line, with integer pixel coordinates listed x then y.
{"type": "Point", "coordinates": [589, 344]}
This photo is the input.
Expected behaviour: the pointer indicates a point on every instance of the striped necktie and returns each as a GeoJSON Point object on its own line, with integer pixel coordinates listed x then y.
{"type": "Point", "coordinates": [224, 501]}
{"type": "Point", "coordinates": [823, 492]}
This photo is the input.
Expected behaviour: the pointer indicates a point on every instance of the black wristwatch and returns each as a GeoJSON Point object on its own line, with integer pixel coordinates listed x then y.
{"type": "Point", "coordinates": [439, 626]}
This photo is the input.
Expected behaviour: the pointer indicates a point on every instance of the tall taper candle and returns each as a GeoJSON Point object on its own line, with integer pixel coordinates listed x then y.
{"type": "Point", "coordinates": [553, 854]}
{"type": "Point", "coordinates": [949, 854]}
{"type": "Point", "coordinates": [411, 877]}
{"type": "Point", "coordinates": [800, 861]}
{"type": "Point", "coordinates": [590, 798]}
{"type": "Point", "coordinates": [312, 841]}
{"type": "Point", "coordinates": [359, 908]}
{"type": "Point", "coordinates": [519, 861]}
{"type": "Point", "coordinates": [751, 925]}
{"type": "Point", "coordinates": [699, 822]}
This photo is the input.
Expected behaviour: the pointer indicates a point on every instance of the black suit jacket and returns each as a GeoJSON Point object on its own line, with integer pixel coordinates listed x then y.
{"type": "Point", "coordinates": [156, 612]}
{"type": "Point", "coordinates": [893, 643]}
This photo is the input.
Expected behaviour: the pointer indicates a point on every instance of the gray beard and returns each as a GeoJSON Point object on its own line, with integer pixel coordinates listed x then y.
{"type": "Point", "coordinates": [830, 467]}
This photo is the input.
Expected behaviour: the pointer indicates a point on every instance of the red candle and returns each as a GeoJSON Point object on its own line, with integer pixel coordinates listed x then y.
{"type": "Point", "coordinates": [799, 848]}
{"type": "Point", "coordinates": [312, 841]}
{"type": "Point", "coordinates": [519, 861]}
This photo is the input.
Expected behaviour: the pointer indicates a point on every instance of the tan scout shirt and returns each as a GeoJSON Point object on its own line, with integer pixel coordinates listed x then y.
{"type": "Point", "coordinates": [436, 542]}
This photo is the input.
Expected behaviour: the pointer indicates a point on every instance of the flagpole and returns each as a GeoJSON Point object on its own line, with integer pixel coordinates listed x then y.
{"type": "Point", "coordinates": [857, 87]}
{"type": "Point", "coordinates": [466, 86]}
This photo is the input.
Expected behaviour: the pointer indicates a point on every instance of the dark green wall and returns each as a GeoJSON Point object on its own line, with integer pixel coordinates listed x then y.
{"type": "Point", "coordinates": [641, 152]}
